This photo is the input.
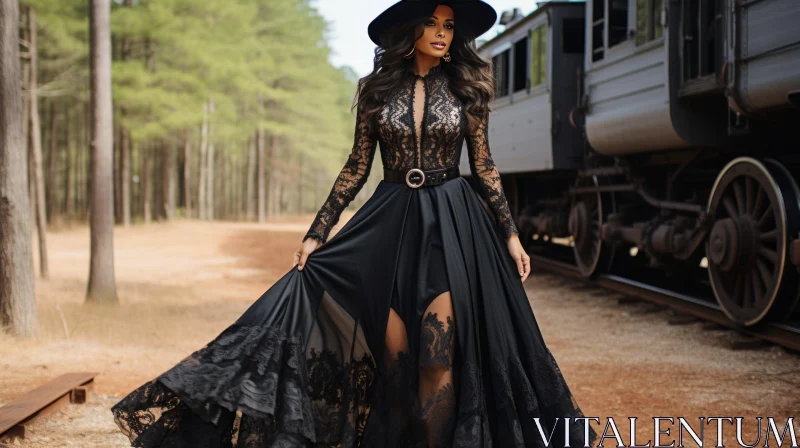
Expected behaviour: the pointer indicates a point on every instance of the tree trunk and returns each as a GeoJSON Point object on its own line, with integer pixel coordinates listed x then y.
{"type": "Point", "coordinates": [169, 185]}
{"type": "Point", "coordinates": [201, 188]}
{"type": "Point", "coordinates": [116, 162]}
{"type": "Point", "coordinates": [31, 169]}
{"type": "Point", "coordinates": [283, 194]}
{"type": "Point", "coordinates": [229, 186]}
{"type": "Point", "coordinates": [218, 175]}
{"type": "Point", "coordinates": [36, 151]}
{"type": "Point", "coordinates": [125, 145]}
{"type": "Point", "coordinates": [86, 165]}
{"type": "Point", "coordinates": [272, 181]}
{"type": "Point", "coordinates": [26, 113]}
{"type": "Point", "coordinates": [238, 175]}
{"type": "Point", "coordinates": [26, 124]}
{"type": "Point", "coordinates": [261, 173]}
{"type": "Point", "coordinates": [158, 181]}
{"type": "Point", "coordinates": [68, 166]}
{"type": "Point", "coordinates": [219, 185]}
{"type": "Point", "coordinates": [251, 178]}
{"type": "Point", "coordinates": [102, 284]}
{"type": "Point", "coordinates": [187, 196]}
{"type": "Point", "coordinates": [239, 187]}
{"type": "Point", "coordinates": [221, 190]}
{"type": "Point", "coordinates": [235, 168]}
{"type": "Point", "coordinates": [210, 167]}
{"type": "Point", "coordinates": [147, 183]}
{"type": "Point", "coordinates": [223, 183]}
{"type": "Point", "coordinates": [125, 166]}
{"type": "Point", "coordinates": [17, 297]}
{"type": "Point", "coordinates": [52, 163]}
{"type": "Point", "coordinates": [300, 182]}
{"type": "Point", "coordinates": [80, 161]}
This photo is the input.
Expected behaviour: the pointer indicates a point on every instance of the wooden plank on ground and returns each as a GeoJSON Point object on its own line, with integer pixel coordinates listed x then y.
{"type": "Point", "coordinates": [44, 399]}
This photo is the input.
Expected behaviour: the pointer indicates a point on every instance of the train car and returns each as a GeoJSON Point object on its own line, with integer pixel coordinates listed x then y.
{"type": "Point", "coordinates": [535, 143]}
{"type": "Point", "coordinates": [658, 137]}
{"type": "Point", "coordinates": [533, 97]}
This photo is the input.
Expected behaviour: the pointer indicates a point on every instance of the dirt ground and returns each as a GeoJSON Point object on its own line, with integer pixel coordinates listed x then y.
{"type": "Point", "coordinates": [181, 283]}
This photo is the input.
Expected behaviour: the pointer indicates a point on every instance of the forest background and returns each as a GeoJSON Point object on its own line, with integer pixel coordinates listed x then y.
{"type": "Point", "coordinates": [160, 161]}
{"type": "Point", "coordinates": [222, 110]}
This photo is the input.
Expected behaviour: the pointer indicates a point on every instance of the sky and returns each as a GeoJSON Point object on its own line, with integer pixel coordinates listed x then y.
{"type": "Point", "coordinates": [349, 19]}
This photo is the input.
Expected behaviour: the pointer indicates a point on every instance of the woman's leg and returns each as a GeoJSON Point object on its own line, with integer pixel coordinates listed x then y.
{"type": "Point", "coordinates": [396, 339]}
{"type": "Point", "coordinates": [436, 388]}
{"type": "Point", "coordinates": [399, 392]}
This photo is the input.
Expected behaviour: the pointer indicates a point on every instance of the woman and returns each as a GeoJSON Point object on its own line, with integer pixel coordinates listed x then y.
{"type": "Point", "coordinates": [410, 327]}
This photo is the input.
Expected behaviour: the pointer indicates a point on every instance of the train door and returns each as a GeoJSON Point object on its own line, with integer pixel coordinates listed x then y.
{"type": "Point", "coordinates": [701, 51]}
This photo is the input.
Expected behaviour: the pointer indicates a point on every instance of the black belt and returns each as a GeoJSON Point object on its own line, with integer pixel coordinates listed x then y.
{"type": "Point", "coordinates": [415, 177]}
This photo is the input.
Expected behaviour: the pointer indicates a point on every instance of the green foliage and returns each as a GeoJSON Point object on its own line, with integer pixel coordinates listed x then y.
{"type": "Point", "coordinates": [263, 63]}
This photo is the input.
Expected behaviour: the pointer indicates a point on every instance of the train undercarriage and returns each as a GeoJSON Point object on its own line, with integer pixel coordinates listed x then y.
{"type": "Point", "coordinates": [726, 225]}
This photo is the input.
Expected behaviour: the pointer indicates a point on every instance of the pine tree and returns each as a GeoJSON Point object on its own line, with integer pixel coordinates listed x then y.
{"type": "Point", "coordinates": [17, 299]}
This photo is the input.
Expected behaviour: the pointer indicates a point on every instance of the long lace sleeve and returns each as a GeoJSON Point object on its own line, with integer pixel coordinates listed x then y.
{"type": "Point", "coordinates": [349, 182]}
{"type": "Point", "coordinates": [487, 177]}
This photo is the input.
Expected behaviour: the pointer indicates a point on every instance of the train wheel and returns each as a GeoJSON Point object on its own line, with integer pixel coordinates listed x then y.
{"type": "Point", "coordinates": [586, 217]}
{"type": "Point", "coordinates": [755, 208]}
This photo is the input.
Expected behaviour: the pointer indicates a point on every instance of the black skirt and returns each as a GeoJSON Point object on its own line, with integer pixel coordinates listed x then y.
{"type": "Point", "coordinates": [304, 365]}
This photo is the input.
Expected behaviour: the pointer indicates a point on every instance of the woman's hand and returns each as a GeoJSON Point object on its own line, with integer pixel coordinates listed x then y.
{"type": "Point", "coordinates": [301, 255]}
{"type": "Point", "coordinates": [519, 255]}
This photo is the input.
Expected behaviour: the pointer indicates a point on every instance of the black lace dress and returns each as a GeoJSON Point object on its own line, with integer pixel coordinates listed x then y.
{"type": "Point", "coordinates": [312, 364]}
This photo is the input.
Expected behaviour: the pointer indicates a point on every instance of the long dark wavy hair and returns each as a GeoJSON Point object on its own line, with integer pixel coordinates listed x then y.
{"type": "Point", "coordinates": [471, 76]}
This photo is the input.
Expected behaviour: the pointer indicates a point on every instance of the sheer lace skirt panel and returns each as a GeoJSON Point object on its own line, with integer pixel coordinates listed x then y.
{"type": "Point", "coordinates": [262, 385]}
{"type": "Point", "coordinates": [421, 380]}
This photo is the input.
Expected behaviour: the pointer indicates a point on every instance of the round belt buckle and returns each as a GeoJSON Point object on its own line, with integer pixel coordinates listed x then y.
{"type": "Point", "coordinates": [421, 175]}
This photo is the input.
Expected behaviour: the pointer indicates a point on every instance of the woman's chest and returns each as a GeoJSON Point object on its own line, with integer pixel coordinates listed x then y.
{"type": "Point", "coordinates": [422, 114]}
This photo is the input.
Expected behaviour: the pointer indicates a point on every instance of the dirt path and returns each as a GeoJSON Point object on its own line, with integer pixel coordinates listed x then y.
{"type": "Point", "coordinates": [182, 283]}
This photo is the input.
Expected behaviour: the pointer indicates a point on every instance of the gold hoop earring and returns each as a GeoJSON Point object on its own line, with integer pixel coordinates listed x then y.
{"type": "Point", "coordinates": [410, 53]}
{"type": "Point", "coordinates": [447, 57]}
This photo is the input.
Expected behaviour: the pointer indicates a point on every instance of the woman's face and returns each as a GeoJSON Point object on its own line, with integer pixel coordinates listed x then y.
{"type": "Point", "coordinates": [438, 32]}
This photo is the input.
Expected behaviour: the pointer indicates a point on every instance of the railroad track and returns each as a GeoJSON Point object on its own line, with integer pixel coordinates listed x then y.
{"type": "Point", "coordinates": [784, 334]}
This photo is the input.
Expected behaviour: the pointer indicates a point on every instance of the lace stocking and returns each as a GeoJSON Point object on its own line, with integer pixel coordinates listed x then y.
{"type": "Point", "coordinates": [436, 388]}
{"type": "Point", "coordinates": [420, 389]}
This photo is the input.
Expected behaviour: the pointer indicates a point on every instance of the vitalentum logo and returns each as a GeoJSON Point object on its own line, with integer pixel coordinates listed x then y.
{"type": "Point", "coordinates": [663, 426]}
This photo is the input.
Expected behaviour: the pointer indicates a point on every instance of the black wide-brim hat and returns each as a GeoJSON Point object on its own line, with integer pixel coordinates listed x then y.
{"type": "Point", "coordinates": [476, 15]}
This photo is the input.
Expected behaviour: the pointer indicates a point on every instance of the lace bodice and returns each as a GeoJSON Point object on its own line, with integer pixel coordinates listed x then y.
{"type": "Point", "coordinates": [422, 113]}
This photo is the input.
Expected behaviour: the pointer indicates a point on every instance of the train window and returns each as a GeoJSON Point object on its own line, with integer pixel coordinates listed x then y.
{"type": "Point", "coordinates": [618, 21]}
{"type": "Point", "coordinates": [598, 29]}
{"type": "Point", "coordinates": [521, 65]}
{"type": "Point", "coordinates": [574, 31]}
{"type": "Point", "coordinates": [609, 20]}
{"type": "Point", "coordinates": [501, 63]}
{"type": "Point", "coordinates": [648, 20]}
{"type": "Point", "coordinates": [539, 55]}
